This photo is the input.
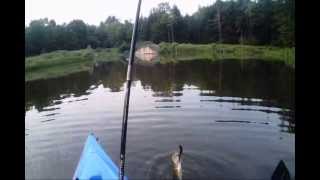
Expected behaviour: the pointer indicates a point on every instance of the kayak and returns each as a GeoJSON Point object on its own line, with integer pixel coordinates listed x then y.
{"type": "Point", "coordinates": [95, 163]}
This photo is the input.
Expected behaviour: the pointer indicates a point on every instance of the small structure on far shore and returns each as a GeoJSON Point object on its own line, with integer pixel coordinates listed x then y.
{"type": "Point", "coordinates": [147, 51]}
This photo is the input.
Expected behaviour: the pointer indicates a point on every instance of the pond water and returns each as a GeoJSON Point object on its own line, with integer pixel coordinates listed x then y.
{"type": "Point", "coordinates": [235, 120]}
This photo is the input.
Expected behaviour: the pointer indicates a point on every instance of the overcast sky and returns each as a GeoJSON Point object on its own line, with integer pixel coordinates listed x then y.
{"type": "Point", "coordinates": [95, 11]}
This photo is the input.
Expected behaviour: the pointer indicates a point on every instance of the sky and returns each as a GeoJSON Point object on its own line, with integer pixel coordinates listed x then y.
{"type": "Point", "coordinates": [95, 11]}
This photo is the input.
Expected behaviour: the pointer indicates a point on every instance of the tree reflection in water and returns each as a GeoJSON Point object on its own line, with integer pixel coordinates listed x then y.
{"type": "Point", "coordinates": [251, 79]}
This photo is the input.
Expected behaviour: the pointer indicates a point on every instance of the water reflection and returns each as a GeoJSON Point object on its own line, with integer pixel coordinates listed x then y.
{"type": "Point", "coordinates": [166, 94]}
{"type": "Point", "coordinates": [236, 121]}
{"type": "Point", "coordinates": [271, 83]}
{"type": "Point", "coordinates": [224, 119]}
{"type": "Point", "coordinates": [47, 109]}
{"type": "Point", "coordinates": [111, 75]}
{"type": "Point", "coordinates": [52, 114]}
{"type": "Point", "coordinates": [47, 120]}
{"type": "Point", "coordinates": [167, 106]}
{"type": "Point", "coordinates": [45, 93]}
{"type": "Point", "coordinates": [167, 100]}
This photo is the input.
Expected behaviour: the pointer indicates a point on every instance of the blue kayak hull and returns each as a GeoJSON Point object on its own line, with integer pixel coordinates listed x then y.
{"type": "Point", "coordinates": [95, 163]}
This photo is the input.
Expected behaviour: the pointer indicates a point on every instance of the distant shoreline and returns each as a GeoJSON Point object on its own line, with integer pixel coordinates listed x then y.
{"type": "Point", "coordinates": [61, 63]}
{"type": "Point", "coordinates": [214, 51]}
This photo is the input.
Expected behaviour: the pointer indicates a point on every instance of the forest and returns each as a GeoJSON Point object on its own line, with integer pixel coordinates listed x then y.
{"type": "Point", "coordinates": [258, 22]}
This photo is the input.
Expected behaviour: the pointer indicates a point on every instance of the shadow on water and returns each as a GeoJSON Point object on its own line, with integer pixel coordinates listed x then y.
{"type": "Point", "coordinates": [270, 81]}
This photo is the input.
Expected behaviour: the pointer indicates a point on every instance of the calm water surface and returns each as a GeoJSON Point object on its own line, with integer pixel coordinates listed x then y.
{"type": "Point", "coordinates": [235, 121]}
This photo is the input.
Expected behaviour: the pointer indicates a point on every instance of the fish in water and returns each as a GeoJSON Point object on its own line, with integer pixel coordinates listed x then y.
{"type": "Point", "coordinates": [176, 160]}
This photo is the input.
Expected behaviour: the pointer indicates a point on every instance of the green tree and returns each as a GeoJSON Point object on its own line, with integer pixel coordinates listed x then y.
{"type": "Point", "coordinates": [265, 22]}
{"type": "Point", "coordinates": [36, 36]}
{"type": "Point", "coordinates": [77, 31]}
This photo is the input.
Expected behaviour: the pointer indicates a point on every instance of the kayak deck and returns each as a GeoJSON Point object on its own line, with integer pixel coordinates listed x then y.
{"type": "Point", "coordinates": [95, 164]}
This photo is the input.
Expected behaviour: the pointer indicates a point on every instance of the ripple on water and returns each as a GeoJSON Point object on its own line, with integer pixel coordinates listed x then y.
{"type": "Point", "coordinates": [194, 166]}
{"type": "Point", "coordinates": [225, 134]}
{"type": "Point", "coordinates": [47, 120]}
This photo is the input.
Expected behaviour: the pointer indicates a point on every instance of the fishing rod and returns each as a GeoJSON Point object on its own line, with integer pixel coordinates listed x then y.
{"type": "Point", "coordinates": [127, 94]}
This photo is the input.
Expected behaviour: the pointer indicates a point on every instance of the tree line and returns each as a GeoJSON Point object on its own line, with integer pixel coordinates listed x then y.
{"type": "Point", "coordinates": [258, 22]}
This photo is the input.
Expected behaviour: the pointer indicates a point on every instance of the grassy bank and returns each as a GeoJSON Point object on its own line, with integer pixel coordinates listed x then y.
{"type": "Point", "coordinates": [175, 52]}
{"type": "Point", "coordinates": [61, 63]}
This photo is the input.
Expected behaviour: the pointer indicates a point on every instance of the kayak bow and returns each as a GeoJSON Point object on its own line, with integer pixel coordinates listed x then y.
{"type": "Point", "coordinates": [95, 163]}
